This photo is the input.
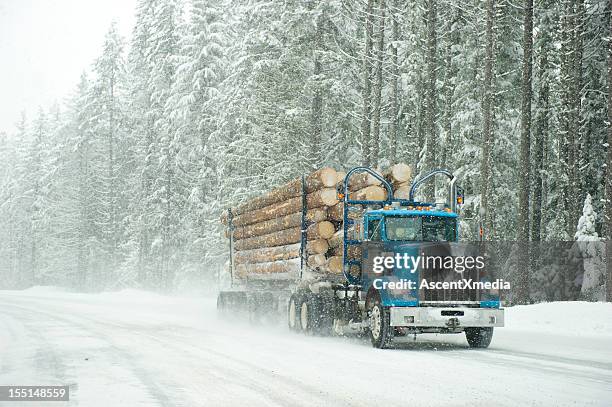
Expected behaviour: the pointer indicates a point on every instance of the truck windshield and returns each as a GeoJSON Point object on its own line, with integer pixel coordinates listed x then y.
{"type": "Point", "coordinates": [420, 228]}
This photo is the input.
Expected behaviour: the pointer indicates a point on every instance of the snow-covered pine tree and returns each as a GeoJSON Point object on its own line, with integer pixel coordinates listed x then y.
{"type": "Point", "coordinates": [108, 146]}
{"type": "Point", "coordinates": [593, 253]}
{"type": "Point", "coordinates": [193, 107]}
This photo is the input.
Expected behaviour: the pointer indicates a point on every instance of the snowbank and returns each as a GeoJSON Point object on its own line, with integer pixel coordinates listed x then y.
{"type": "Point", "coordinates": [566, 318]}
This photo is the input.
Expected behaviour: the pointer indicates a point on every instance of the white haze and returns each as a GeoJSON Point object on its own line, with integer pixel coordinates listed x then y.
{"type": "Point", "coordinates": [45, 45]}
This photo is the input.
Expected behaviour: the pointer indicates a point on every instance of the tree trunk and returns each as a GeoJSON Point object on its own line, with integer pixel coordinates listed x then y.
{"type": "Point", "coordinates": [394, 123]}
{"type": "Point", "coordinates": [267, 254]}
{"type": "Point", "coordinates": [336, 213]}
{"type": "Point", "coordinates": [336, 240]}
{"type": "Point", "coordinates": [354, 252]}
{"type": "Point", "coordinates": [487, 136]}
{"type": "Point", "coordinates": [316, 260]}
{"type": "Point", "coordinates": [608, 178]}
{"type": "Point", "coordinates": [360, 181]}
{"type": "Point", "coordinates": [522, 289]}
{"type": "Point", "coordinates": [541, 136]}
{"type": "Point", "coordinates": [568, 114]}
{"type": "Point", "coordinates": [371, 193]}
{"type": "Point", "coordinates": [432, 137]}
{"type": "Point", "coordinates": [276, 224]}
{"type": "Point", "coordinates": [320, 230]}
{"type": "Point", "coordinates": [402, 191]}
{"type": "Point", "coordinates": [375, 142]}
{"type": "Point", "coordinates": [450, 86]}
{"type": "Point", "coordinates": [398, 174]}
{"type": "Point", "coordinates": [334, 265]}
{"type": "Point", "coordinates": [367, 86]}
{"type": "Point", "coordinates": [575, 186]}
{"type": "Point", "coordinates": [319, 246]}
{"type": "Point", "coordinates": [323, 178]}
{"type": "Point", "coordinates": [111, 193]}
{"type": "Point", "coordinates": [317, 98]}
{"type": "Point", "coordinates": [281, 266]}
{"type": "Point", "coordinates": [317, 199]}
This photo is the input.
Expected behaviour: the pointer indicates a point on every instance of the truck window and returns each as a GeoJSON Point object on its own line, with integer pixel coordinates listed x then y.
{"type": "Point", "coordinates": [421, 228]}
{"type": "Point", "coordinates": [374, 229]}
{"type": "Point", "coordinates": [438, 229]}
{"type": "Point", "coordinates": [406, 228]}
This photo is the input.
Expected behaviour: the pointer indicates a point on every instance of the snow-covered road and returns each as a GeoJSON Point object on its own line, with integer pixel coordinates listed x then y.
{"type": "Point", "coordinates": [133, 348]}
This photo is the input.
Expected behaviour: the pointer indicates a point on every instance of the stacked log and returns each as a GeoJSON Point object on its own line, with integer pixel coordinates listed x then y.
{"type": "Point", "coordinates": [402, 191]}
{"type": "Point", "coordinates": [322, 198]}
{"type": "Point", "coordinates": [284, 222]}
{"type": "Point", "coordinates": [323, 178]}
{"type": "Point", "coordinates": [398, 174]}
{"type": "Point", "coordinates": [267, 230]}
{"type": "Point", "coordinates": [368, 188]}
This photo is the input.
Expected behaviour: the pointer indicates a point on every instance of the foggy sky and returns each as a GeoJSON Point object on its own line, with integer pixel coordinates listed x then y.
{"type": "Point", "coordinates": [46, 44]}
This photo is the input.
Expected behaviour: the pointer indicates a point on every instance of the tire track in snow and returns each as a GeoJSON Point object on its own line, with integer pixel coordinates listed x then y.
{"type": "Point", "coordinates": [123, 358]}
{"type": "Point", "coordinates": [257, 380]}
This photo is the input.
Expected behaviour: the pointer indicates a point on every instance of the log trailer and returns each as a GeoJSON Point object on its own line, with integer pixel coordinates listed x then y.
{"type": "Point", "coordinates": [364, 300]}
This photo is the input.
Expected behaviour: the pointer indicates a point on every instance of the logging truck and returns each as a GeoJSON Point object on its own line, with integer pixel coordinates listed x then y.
{"type": "Point", "coordinates": [348, 253]}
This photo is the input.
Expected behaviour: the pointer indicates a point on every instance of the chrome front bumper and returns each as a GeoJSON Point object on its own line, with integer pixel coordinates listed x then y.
{"type": "Point", "coordinates": [451, 317]}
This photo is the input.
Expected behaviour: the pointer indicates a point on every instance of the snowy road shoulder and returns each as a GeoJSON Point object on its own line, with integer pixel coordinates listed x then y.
{"type": "Point", "coordinates": [136, 348]}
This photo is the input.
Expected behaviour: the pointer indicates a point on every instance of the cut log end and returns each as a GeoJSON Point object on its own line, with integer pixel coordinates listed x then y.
{"type": "Point", "coordinates": [334, 264]}
{"type": "Point", "coordinates": [328, 197]}
{"type": "Point", "coordinates": [319, 246]}
{"type": "Point", "coordinates": [328, 177]}
{"type": "Point", "coordinates": [398, 173]}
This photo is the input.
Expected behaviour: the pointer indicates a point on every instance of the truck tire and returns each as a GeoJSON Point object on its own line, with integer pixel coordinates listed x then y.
{"type": "Point", "coordinates": [221, 303]}
{"type": "Point", "coordinates": [381, 332]}
{"type": "Point", "coordinates": [293, 313]}
{"type": "Point", "coordinates": [254, 309]}
{"type": "Point", "coordinates": [479, 337]}
{"type": "Point", "coordinates": [306, 308]}
{"type": "Point", "coordinates": [323, 316]}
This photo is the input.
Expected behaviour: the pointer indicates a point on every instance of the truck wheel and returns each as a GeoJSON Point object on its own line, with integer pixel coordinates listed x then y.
{"type": "Point", "coordinates": [254, 309]}
{"type": "Point", "coordinates": [221, 306]}
{"type": "Point", "coordinates": [381, 333]}
{"type": "Point", "coordinates": [306, 315]}
{"type": "Point", "coordinates": [323, 316]}
{"type": "Point", "coordinates": [292, 313]}
{"type": "Point", "coordinates": [479, 337]}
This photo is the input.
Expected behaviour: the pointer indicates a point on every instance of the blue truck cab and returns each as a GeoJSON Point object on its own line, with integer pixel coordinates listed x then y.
{"type": "Point", "coordinates": [407, 274]}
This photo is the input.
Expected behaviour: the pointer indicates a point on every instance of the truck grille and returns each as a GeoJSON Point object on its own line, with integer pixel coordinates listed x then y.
{"type": "Point", "coordinates": [451, 295]}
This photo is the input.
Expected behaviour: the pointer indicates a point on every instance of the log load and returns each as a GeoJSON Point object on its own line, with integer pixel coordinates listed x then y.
{"type": "Point", "coordinates": [267, 229]}
{"type": "Point", "coordinates": [268, 254]}
{"type": "Point", "coordinates": [402, 191]}
{"type": "Point", "coordinates": [336, 240]}
{"type": "Point", "coordinates": [340, 175]}
{"type": "Point", "coordinates": [359, 181]}
{"type": "Point", "coordinates": [317, 260]}
{"type": "Point", "coordinates": [319, 246]}
{"type": "Point", "coordinates": [281, 266]}
{"type": "Point", "coordinates": [370, 193]}
{"type": "Point", "coordinates": [277, 224]}
{"type": "Point", "coordinates": [323, 178]}
{"type": "Point", "coordinates": [322, 198]}
{"type": "Point", "coordinates": [335, 213]}
{"type": "Point", "coordinates": [398, 174]}
{"type": "Point", "coordinates": [316, 231]}
{"type": "Point", "coordinates": [354, 251]}
{"type": "Point", "coordinates": [334, 264]}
